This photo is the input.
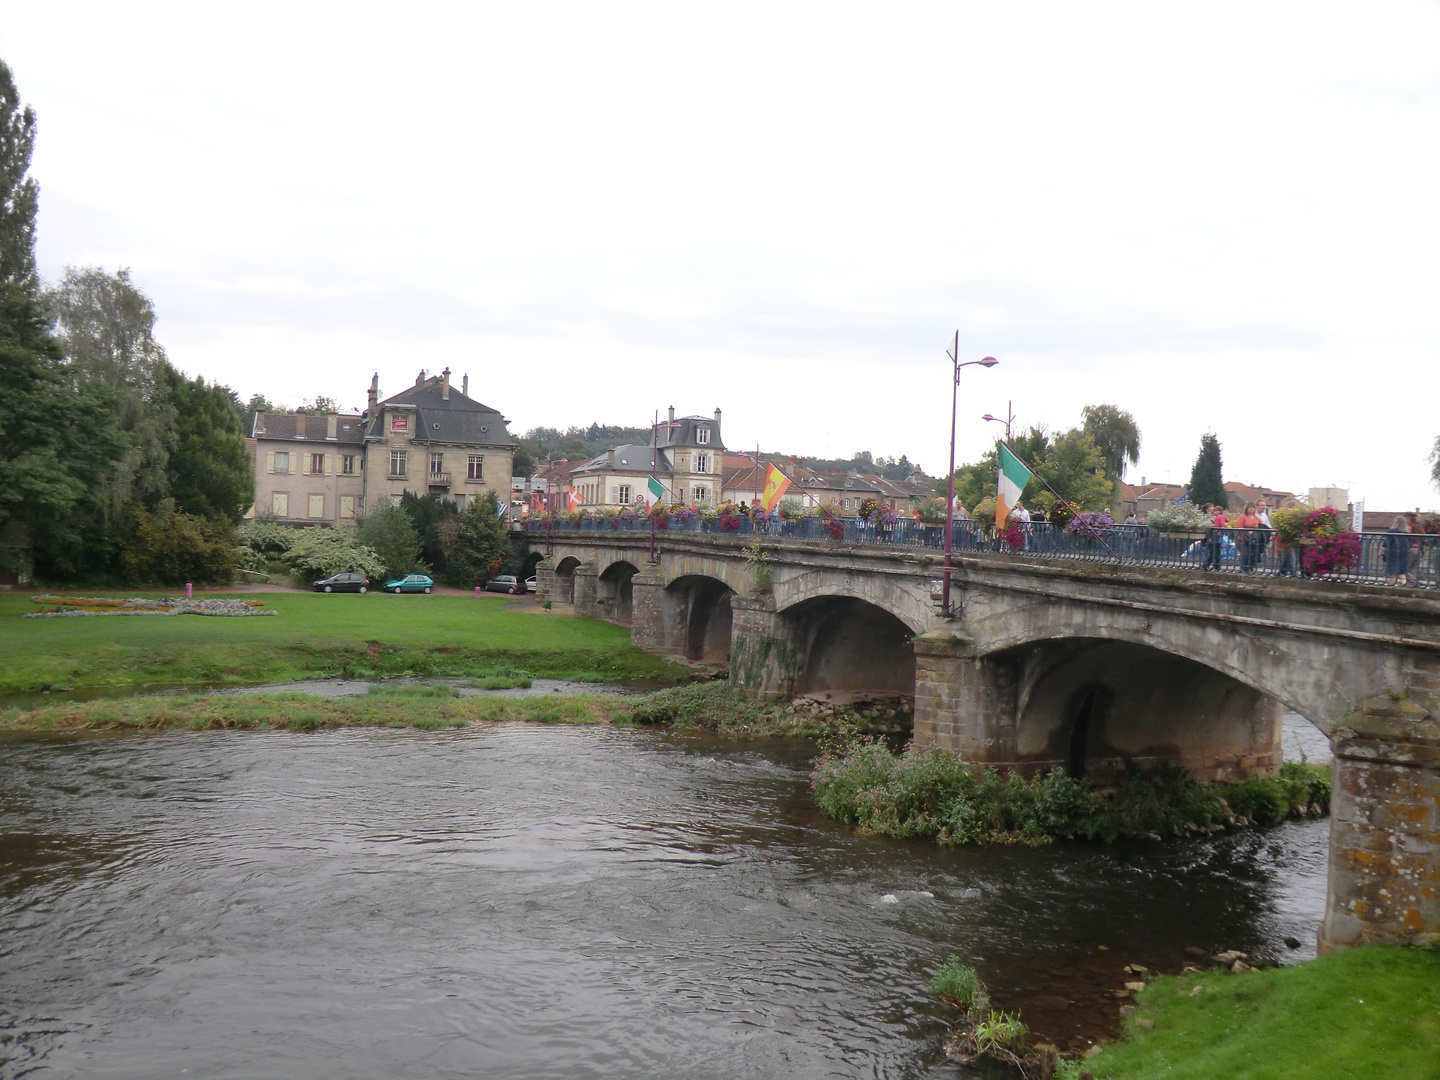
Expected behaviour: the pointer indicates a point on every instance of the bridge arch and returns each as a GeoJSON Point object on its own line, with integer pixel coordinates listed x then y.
{"type": "Point", "coordinates": [909, 603]}
{"type": "Point", "coordinates": [562, 591]}
{"type": "Point", "coordinates": [614, 591]}
{"type": "Point", "coordinates": [1299, 679]}
{"type": "Point", "coordinates": [1089, 706]}
{"type": "Point", "coordinates": [850, 648]}
{"type": "Point", "coordinates": [704, 615]}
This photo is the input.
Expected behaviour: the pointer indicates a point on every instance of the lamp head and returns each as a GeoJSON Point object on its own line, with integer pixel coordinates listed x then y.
{"type": "Point", "coordinates": [989, 361]}
{"type": "Point", "coordinates": [987, 416]}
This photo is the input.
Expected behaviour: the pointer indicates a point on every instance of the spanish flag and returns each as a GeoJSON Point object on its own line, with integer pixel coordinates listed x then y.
{"type": "Point", "coordinates": [776, 484]}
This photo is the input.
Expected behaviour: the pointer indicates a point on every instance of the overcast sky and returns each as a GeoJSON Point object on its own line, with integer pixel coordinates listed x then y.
{"type": "Point", "coordinates": [1219, 217]}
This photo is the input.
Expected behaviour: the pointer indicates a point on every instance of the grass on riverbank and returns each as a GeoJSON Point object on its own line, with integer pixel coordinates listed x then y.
{"type": "Point", "coordinates": [316, 636]}
{"type": "Point", "coordinates": [934, 795]}
{"type": "Point", "coordinates": [1371, 1012]}
{"type": "Point", "coordinates": [713, 707]}
{"type": "Point", "coordinates": [425, 707]}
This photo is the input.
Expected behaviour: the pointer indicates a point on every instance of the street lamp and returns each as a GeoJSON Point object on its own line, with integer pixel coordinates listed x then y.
{"type": "Point", "coordinates": [549, 498]}
{"type": "Point", "coordinates": [989, 361]}
{"type": "Point", "coordinates": [1007, 421]}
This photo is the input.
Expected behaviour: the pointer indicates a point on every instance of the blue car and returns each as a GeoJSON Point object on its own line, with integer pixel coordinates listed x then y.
{"type": "Point", "coordinates": [409, 583]}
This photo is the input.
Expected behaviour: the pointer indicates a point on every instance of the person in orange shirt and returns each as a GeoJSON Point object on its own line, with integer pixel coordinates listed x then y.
{"type": "Point", "coordinates": [1249, 523]}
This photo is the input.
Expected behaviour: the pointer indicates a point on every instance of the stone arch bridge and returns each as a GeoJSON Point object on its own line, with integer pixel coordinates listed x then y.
{"type": "Point", "coordinates": [1046, 663]}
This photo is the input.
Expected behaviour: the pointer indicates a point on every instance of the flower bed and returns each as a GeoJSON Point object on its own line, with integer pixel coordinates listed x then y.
{"type": "Point", "coordinates": [63, 607]}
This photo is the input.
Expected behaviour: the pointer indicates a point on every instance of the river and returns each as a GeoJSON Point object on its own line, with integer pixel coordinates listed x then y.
{"type": "Point", "coordinates": [527, 901]}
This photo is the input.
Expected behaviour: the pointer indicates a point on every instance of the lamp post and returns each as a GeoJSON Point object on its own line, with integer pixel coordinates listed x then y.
{"type": "Point", "coordinates": [989, 361]}
{"type": "Point", "coordinates": [1009, 418]}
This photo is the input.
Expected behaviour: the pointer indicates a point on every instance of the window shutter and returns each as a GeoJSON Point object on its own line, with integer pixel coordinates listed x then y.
{"type": "Point", "coordinates": [329, 464]}
{"type": "Point", "coordinates": [270, 461]}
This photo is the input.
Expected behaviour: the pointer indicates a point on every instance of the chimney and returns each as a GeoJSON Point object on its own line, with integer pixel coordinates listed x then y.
{"type": "Point", "coordinates": [331, 422]}
{"type": "Point", "coordinates": [259, 428]}
{"type": "Point", "coordinates": [420, 378]}
{"type": "Point", "coordinates": [1142, 481]}
{"type": "Point", "coordinates": [672, 414]}
{"type": "Point", "coordinates": [374, 393]}
{"type": "Point", "coordinates": [445, 385]}
{"type": "Point", "coordinates": [465, 385]}
{"type": "Point", "coordinates": [717, 420]}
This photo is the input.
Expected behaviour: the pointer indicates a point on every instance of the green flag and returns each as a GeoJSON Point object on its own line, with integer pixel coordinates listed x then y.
{"type": "Point", "coordinates": [657, 489]}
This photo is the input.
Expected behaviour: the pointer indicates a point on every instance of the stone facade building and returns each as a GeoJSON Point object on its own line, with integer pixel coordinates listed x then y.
{"type": "Point", "coordinates": [316, 468]}
{"type": "Point", "coordinates": [308, 466]}
{"type": "Point", "coordinates": [433, 439]}
{"type": "Point", "coordinates": [686, 456]}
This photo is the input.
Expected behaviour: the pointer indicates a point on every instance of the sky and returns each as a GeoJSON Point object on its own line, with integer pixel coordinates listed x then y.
{"type": "Point", "coordinates": [1220, 217]}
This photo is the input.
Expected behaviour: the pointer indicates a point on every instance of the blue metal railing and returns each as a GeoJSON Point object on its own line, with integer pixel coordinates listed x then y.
{"type": "Point", "coordinates": [1405, 559]}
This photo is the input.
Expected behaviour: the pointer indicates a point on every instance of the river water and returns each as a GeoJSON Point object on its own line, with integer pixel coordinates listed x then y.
{"type": "Point", "coordinates": [528, 901]}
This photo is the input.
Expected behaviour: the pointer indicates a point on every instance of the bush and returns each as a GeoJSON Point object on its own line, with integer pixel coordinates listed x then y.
{"type": "Point", "coordinates": [1182, 517]}
{"type": "Point", "coordinates": [170, 548]}
{"type": "Point", "coordinates": [324, 550]}
{"type": "Point", "coordinates": [387, 530]}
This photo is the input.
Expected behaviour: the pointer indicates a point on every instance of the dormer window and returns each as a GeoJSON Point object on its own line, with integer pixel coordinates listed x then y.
{"type": "Point", "coordinates": [702, 435]}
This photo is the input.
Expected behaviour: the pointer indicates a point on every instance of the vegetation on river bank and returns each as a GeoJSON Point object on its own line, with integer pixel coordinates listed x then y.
{"type": "Point", "coordinates": [316, 636]}
{"type": "Point", "coordinates": [934, 795]}
{"type": "Point", "coordinates": [1370, 1012]}
{"type": "Point", "coordinates": [417, 706]}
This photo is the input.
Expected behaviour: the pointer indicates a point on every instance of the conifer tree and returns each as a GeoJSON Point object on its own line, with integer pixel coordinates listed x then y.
{"type": "Point", "coordinates": [1206, 483]}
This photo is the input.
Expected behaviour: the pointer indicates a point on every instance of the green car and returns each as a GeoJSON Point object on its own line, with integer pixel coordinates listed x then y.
{"type": "Point", "coordinates": [409, 583]}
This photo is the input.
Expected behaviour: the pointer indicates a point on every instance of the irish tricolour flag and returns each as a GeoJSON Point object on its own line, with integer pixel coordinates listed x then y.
{"type": "Point", "coordinates": [1013, 478]}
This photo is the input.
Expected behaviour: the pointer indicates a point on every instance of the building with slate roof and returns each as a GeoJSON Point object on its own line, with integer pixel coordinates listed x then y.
{"type": "Point", "coordinates": [684, 455]}
{"type": "Point", "coordinates": [309, 467]}
{"type": "Point", "coordinates": [433, 439]}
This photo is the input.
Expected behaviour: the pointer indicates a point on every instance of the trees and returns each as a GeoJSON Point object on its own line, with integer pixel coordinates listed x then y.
{"type": "Point", "coordinates": [1435, 463]}
{"type": "Point", "coordinates": [387, 530]}
{"type": "Point", "coordinates": [57, 438]}
{"type": "Point", "coordinates": [1069, 466]}
{"type": "Point", "coordinates": [209, 468]}
{"type": "Point", "coordinates": [1115, 434]}
{"type": "Point", "coordinates": [479, 543]}
{"type": "Point", "coordinates": [105, 328]}
{"type": "Point", "coordinates": [1206, 484]}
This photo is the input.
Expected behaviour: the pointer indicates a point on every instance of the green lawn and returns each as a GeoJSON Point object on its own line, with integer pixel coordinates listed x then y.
{"type": "Point", "coordinates": [315, 635]}
{"type": "Point", "coordinates": [1367, 1014]}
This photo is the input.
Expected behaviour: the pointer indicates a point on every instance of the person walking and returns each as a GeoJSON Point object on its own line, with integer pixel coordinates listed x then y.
{"type": "Point", "coordinates": [1249, 524]}
{"type": "Point", "coordinates": [1397, 551]}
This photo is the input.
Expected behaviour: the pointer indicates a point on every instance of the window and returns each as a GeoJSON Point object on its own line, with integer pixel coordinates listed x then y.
{"type": "Point", "coordinates": [701, 494]}
{"type": "Point", "coordinates": [280, 504]}
{"type": "Point", "coordinates": [702, 435]}
{"type": "Point", "coordinates": [317, 506]}
{"type": "Point", "coordinates": [624, 494]}
{"type": "Point", "coordinates": [397, 462]}
{"type": "Point", "coordinates": [476, 470]}
{"type": "Point", "coordinates": [702, 463]}
{"type": "Point", "coordinates": [437, 463]}
{"type": "Point", "coordinates": [399, 423]}
{"type": "Point", "coordinates": [347, 464]}
{"type": "Point", "coordinates": [347, 506]}
{"type": "Point", "coordinates": [282, 461]}
{"type": "Point", "coordinates": [679, 495]}
{"type": "Point", "coordinates": [317, 464]}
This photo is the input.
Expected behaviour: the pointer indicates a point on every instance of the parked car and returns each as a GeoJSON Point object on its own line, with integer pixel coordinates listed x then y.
{"type": "Point", "coordinates": [343, 583]}
{"type": "Point", "coordinates": [529, 584]}
{"type": "Point", "coordinates": [409, 583]}
{"type": "Point", "coordinates": [505, 583]}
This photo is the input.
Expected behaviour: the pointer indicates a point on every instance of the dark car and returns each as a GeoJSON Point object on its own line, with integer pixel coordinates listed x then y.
{"type": "Point", "coordinates": [343, 583]}
{"type": "Point", "coordinates": [409, 583]}
{"type": "Point", "coordinates": [505, 583]}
